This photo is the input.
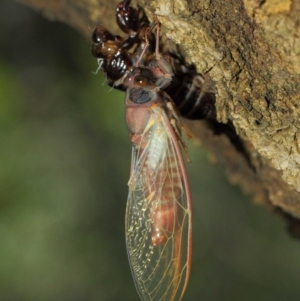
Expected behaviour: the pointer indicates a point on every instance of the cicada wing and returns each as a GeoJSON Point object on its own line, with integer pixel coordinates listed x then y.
{"type": "Point", "coordinates": [158, 215]}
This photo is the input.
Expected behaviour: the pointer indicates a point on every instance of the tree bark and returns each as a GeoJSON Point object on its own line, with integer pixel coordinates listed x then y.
{"type": "Point", "coordinates": [250, 51]}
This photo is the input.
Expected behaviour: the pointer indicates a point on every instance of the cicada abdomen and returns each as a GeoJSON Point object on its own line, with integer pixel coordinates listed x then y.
{"type": "Point", "coordinates": [158, 215]}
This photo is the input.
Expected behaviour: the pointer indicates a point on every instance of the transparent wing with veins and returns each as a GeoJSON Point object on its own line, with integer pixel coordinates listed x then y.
{"type": "Point", "coordinates": [158, 215]}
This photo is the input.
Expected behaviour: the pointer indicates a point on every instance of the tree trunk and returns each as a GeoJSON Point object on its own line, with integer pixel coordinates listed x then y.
{"type": "Point", "coordinates": [250, 51]}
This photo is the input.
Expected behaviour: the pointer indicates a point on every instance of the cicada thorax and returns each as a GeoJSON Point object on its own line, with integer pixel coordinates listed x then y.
{"type": "Point", "coordinates": [144, 90]}
{"type": "Point", "coordinates": [141, 94]}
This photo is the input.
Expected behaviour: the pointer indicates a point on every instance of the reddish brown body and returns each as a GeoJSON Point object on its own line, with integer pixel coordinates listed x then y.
{"type": "Point", "coordinates": [137, 116]}
{"type": "Point", "coordinates": [158, 216]}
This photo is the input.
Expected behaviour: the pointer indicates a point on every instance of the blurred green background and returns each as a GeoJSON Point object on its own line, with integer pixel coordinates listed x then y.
{"type": "Point", "coordinates": [64, 166]}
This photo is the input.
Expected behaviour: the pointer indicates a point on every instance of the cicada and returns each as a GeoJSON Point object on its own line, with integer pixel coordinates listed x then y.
{"type": "Point", "coordinates": [158, 214]}
{"type": "Point", "coordinates": [159, 206]}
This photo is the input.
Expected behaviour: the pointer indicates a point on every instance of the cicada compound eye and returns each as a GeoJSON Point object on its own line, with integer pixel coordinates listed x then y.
{"type": "Point", "coordinates": [140, 81]}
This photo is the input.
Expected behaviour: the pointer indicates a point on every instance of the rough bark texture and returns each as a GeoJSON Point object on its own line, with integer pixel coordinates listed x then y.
{"type": "Point", "coordinates": [250, 50]}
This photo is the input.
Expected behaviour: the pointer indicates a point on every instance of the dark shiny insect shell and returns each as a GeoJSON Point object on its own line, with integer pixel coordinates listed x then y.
{"type": "Point", "coordinates": [116, 66]}
{"type": "Point", "coordinates": [116, 55]}
{"type": "Point", "coordinates": [127, 17]}
{"type": "Point", "coordinates": [102, 35]}
{"type": "Point", "coordinates": [114, 60]}
{"type": "Point", "coordinates": [133, 22]}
